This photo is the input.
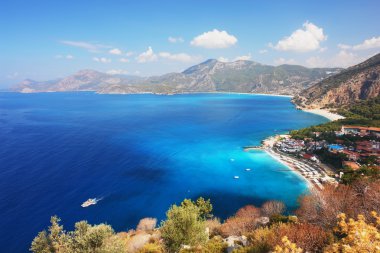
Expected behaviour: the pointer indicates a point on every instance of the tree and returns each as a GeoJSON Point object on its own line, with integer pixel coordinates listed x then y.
{"type": "Point", "coordinates": [183, 226]}
{"type": "Point", "coordinates": [54, 241]}
{"type": "Point", "coordinates": [358, 236]}
{"type": "Point", "coordinates": [84, 239]}
{"type": "Point", "coordinates": [205, 207]}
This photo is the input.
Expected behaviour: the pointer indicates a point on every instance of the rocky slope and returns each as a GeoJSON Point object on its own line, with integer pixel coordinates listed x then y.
{"type": "Point", "coordinates": [360, 82]}
{"type": "Point", "coordinates": [209, 76]}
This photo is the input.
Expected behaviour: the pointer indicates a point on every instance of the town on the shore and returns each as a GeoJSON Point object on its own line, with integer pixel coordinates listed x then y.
{"type": "Point", "coordinates": [329, 157]}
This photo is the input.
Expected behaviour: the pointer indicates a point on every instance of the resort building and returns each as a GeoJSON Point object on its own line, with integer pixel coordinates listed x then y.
{"type": "Point", "coordinates": [361, 130]}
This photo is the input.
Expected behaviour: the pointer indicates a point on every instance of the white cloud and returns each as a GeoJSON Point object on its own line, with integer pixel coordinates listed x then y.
{"type": "Point", "coordinates": [243, 57]}
{"type": "Point", "coordinates": [102, 59]}
{"type": "Point", "coordinates": [117, 72]}
{"type": "Point", "coordinates": [181, 57]}
{"type": "Point", "coordinates": [342, 59]}
{"type": "Point", "coordinates": [281, 61]}
{"type": "Point", "coordinates": [214, 39]}
{"type": "Point", "coordinates": [124, 60]}
{"type": "Point", "coordinates": [305, 39]}
{"type": "Point", "coordinates": [147, 56]}
{"type": "Point", "coordinates": [130, 53]}
{"type": "Point", "coordinates": [368, 44]}
{"type": "Point", "coordinates": [223, 59]}
{"type": "Point", "coordinates": [115, 51]}
{"type": "Point", "coordinates": [68, 56]}
{"type": "Point", "coordinates": [91, 47]}
{"type": "Point", "coordinates": [263, 51]}
{"type": "Point", "coordinates": [372, 43]}
{"type": "Point", "coordinates": [344, 46]}
{"type": "Point", "coordinates": [322, 49]}
{"type": "Point", "coordinates": [176, 39]}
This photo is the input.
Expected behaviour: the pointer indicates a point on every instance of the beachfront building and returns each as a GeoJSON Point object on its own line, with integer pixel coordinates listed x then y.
{"type": "Point", "coordinates": [361, 130]}
{"type": "Point", "coordinates": [291, 145]}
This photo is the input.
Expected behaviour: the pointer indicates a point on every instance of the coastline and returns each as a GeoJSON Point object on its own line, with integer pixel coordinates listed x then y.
{"type": "Point", "coordinates": [276, 157]}
{"type": "Point", "coordinates": [325, 113]}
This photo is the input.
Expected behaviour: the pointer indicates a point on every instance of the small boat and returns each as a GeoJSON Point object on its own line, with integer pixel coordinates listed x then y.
{"type": "Point", "coordinates": [232, 160]}
{"type": "Point", "coordinates": [247, 169]}
{"type": "Point", "coordinates": [236, 177]}
{"type": "Point", "coordinates": [89, 202]}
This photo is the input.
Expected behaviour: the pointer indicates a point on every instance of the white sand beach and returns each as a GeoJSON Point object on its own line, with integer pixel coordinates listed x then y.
{"type": "Point", "coordinates": [325, 113]}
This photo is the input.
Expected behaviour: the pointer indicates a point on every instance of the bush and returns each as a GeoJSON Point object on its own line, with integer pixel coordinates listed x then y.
{"type": "Point", "coordinates": [214, 226]}
{"type": "Point", "coordinates": [151, 248]}
{"type": "Point", "coordinates": [138, 240]}
{"type": "Point", "coordinates": [183, 226]}
{"type": "Point", "coordinates": [258, 248]}
{"type": "Point", "coordinates": [309, 237]}
{"type": "Point", "coordinates": [271, 208]}
{"type": "Point", "coordinates": [85, 238]}
{"type": "Point", "coordinates": [358, 236]}
{"type": "Point", "coordinates": [287, 247]}
{"type": "Point", "coordinates": [244, 221]}
{"type": "Point", "coordinates": [215, 245]}
{"type": "Point", "coordinates": [147, 224]}
{"type": "Point", "coordinates": [248, 211]}
{"type": "Point", "coordinates": [322, 208]}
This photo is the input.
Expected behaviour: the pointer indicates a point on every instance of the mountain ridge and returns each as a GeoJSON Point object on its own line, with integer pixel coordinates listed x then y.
{"type": "Point", "coordinates": [356, 83]}
{"type": "Point", "coordinates": [209, 76]}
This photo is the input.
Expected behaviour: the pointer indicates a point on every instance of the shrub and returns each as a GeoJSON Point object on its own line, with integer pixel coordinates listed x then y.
{"type": "Point", "coordinates": [248, 211]}
{"type": "Point", "coordinates": [214, 226]}
{"type": "Point", "coordinates": [258, 248]}
{"type": "Point", "coordinates": [309, 237]}
{"type": "Point", "coordinates": [183, 226]}
{"type": "Point", "coordinates": [287, 247]}
{"type": "Point", "coordinates": [323, 207]}
{"type": "Point", "coordinates": [271, 208]}
{"type": "Point", "coordinates": [278, 218]}
{"type": "Point", "coordinates": [85, 238]}
{"type": "Point", "coordinates": [215, 245]}
{"type": "Point", "coordinates": [151, 248]}
{"type": "Point", "coordinates": [137, 241]}
{"type": "Point", "coordinates": [358, 236]}
{"type": "Point", "coordinates": [147, 224]}
{"type": "Point", "coordinates": [245, 220]}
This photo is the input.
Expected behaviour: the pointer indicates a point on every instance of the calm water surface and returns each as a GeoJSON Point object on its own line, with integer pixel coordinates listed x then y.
{"type": "Point", "coordinates": [140, 153]}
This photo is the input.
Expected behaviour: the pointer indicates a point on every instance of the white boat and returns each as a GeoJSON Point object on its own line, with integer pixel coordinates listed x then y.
{"type": "Point", "coordinates": [236, 177]}
{"type": "Point", "coordinates": [89, 202]}
{"type": "Point", "coordinates": [247, 169]}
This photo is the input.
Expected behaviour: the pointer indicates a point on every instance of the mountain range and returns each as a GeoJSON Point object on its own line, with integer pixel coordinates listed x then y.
{"type": "Point", "coordinates": [354, 84]}
{"type": "Point", "coordinates": [209, 76]}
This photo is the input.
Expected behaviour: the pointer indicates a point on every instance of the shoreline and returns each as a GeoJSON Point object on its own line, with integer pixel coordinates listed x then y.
{"type": "Point", "coordinates": [276, 157]}
{"type": "Point", "coordinates": [325, 113]}
{"type": "Point", "coordinates": [149, 92]}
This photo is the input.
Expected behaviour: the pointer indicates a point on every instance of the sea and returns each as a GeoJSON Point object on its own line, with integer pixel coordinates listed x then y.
{"type": "Point", "coordinates": [139, 154]}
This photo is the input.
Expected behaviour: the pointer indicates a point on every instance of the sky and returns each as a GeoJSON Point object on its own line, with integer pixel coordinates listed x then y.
{"type": "Point", "coordinates": [48, 39]}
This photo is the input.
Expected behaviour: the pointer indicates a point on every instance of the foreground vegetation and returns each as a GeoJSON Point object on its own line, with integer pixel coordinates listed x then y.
{"type": "Point", "coordinates": [336, 219]}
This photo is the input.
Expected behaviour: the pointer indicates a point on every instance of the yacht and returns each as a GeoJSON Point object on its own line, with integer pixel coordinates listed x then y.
{"type": "Point", "coordinates": [89, 202]}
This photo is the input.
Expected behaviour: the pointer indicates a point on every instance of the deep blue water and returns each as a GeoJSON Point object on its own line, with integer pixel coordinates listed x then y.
{"type": "Point", "coordinates": [141, 153]}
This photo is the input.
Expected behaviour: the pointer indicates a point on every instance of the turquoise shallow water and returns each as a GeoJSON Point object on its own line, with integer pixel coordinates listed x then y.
{"type": "Point", "coordinates": [141, 153]}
